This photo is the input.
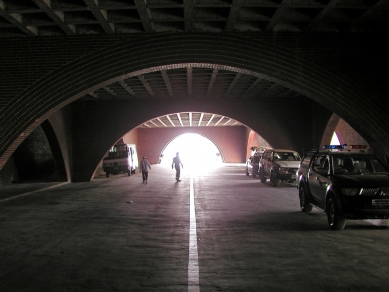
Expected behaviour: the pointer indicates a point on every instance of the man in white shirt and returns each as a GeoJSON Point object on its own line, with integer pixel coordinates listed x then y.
{"type": "Point", "coordinates": [144, 164]}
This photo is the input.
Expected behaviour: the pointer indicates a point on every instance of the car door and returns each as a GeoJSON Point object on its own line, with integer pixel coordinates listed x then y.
{"type": "Point", "coordinates": [268, 162]}
{"type": "Point", "coordinates": [319, 177]}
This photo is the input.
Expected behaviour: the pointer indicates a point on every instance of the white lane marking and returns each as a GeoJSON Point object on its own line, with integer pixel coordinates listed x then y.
{"type": "Point", "coordinates": [29, 193]}
{"type": "Point", "coordinates": [193, 265]}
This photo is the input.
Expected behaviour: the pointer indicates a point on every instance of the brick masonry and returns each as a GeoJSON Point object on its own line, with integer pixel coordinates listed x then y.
{"type": "Point", "coordinates": [341, 73]}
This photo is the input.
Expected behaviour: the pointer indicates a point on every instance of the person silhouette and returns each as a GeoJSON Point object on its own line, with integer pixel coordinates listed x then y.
{"type": "Point", "coordinates": [176, 163]}
{"type": "Point", "coordinates": [144, 164]}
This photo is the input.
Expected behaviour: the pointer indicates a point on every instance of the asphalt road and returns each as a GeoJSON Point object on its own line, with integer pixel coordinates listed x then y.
{"type": "Point", "coordinates": [117, 234]}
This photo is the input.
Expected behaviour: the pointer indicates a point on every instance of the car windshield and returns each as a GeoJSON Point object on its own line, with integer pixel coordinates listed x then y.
{"type": "Point", "coordinates": [289, 156]}
{"type": "Point", "coordinates": [356, 164]}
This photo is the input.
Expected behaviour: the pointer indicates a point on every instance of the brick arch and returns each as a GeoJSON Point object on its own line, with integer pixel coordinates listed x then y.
{"type": "Point", "coordinates": [226, 139]}
{"type": "Point", "coordinates": [263, 59]}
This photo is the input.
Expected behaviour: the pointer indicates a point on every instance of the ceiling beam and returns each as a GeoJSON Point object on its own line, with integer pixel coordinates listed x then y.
{"type": "Point", "coordinates": [109, 90]}
{"type": "Point", "coordinates": [233, 15]}
{"type": "Point", "coordinates": [232, 84]}
{"type": "Point", "coordinates": [151, 121]}
{"type": "Point", "coordinates": [210, 120]}
{"type": "Point", "coordinates": [146, 85]}
{"type": "Point", "coordinates": [161, 122]}
{"type": "Point", "coordinates": [367, 13]}
{"type": "Point", "coordinates": [322, 14]}
{"type": "Point", "coordinates": [127, 88]}
{"type": "Point", "coordinates": [17, 20]}
{"type": "Point", "coordinates": [57, 16]}
{"type": "Point", "coordinates": [179, 118]}
{"type": "Point", "coordinates": [201, 119]}
{"type": "Point", "coordinates": [168, 85]}
{"type": "Point", "coordinates": [219, 121]}
{"type": "Point", "coordinates": [144, 15]}
{"type": "Point", "coordinates": [189, 80]}
{"type": "Point", "coordinates": [269, 89]}
{"type": "Point", "coordinates": [171, 122]}
{"type": "Point", "coordinates": [252, 86]}
{"type": "Point", "coordinates": [281, 11]}
{"type": "Point", "coordinates": [227, 122]}
{"type": "Point", "coordinates": [188, 15]}
{"type": "Point", "coordinates": [212, 81]}
{"type": "Point", "coordinates": [100, 15]}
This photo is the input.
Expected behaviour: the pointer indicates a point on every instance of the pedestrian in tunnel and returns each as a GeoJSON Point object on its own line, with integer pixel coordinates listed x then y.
{"type": "Point", "coordinates": [144, 164]}
{"type": "Point", "coordinates": [176, 163]}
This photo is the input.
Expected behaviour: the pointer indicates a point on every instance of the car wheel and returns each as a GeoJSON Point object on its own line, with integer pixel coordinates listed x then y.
{"type": "Point", "coordinates": [247, 172]}
{"type": "Point", "coordinates": [129, 172]}
{"type": "Point", "coordinates": [261, 176]}
{"type": "Point", "coordinates": [107, 174]}
{"type": "Point", "coordinates": [336, 218]}
{"type": "Point", "coordinates": [304, 201]}
{"type": "Point", "coordinates": [273, 180]}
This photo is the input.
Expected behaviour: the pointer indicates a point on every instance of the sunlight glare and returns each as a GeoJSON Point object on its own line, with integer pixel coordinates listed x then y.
{"type": "Point", "coordinates": [196, 152]}
{"type": "Point", "coordinates": [335, 140]}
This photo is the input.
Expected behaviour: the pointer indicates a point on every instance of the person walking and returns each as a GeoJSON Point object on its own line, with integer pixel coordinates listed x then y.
{"type": "Point", "coordinates": [144, 165]}
{"type": "Point", "coordinates": [176, 163]}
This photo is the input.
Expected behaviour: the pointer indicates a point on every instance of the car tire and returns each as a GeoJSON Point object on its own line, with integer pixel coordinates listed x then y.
{"type": "Point", "coordinates": [275, 182]}
{"type": "Point", "coordinates": [305, 206]}
{"type": "Point", "coordinates": [336, 217]}
{"type": "Point", "coordinates": [129, 172]}
{"type": "Point", "coordinates": [261, 176]}
{"type": "Point", "coordinates": [247, 172]}
{"type": "Point", "coordinates": [107, 174]}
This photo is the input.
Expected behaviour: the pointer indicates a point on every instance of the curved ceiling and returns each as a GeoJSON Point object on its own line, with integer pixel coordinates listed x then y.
{"type": "Point", "coordinates": [80, 17]}
{"type": "Point", "coordinates": [192, 82]}
{"type": "Point", "coordinates": [190, 119]}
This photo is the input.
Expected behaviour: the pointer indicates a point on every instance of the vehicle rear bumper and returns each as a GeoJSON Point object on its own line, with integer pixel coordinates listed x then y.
{"type": "Point", "coordinates": [369, 214]}
{"type": "Point", "coordinates": [287, 176]}
{"type": "Point", "coordinates": [116, 169]}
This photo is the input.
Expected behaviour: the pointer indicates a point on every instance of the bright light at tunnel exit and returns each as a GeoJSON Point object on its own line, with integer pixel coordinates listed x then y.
{"type": "Point", "coordinates": [196, 152]}
{"type": "Point", "coordinates": [335, 140]}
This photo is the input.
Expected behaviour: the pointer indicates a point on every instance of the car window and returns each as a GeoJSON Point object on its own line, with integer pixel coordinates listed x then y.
{"type": "Point", "coordinates": [357, 164]}
{"type": "Point", "coordinates": [289, 156]}
{"type": "Point", "coordinates": [320, 164]}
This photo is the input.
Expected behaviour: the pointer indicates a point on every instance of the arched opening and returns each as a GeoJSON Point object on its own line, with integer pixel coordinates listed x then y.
{"type": "Point", "coordinates": [335, 139]}
{"type": "Point", "coordinates": [196, 151]}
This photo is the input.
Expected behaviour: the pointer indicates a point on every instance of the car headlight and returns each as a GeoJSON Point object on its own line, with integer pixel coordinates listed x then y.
{"type": "Point", "coordinates": [349, 192]}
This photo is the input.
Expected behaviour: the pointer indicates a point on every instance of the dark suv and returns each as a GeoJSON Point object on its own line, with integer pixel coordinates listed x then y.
{"type": "Point", "coordinates": [346, 182]}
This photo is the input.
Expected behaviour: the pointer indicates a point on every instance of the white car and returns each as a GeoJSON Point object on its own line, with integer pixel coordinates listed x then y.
{"type": "Point", "coordinates": [279, 165]}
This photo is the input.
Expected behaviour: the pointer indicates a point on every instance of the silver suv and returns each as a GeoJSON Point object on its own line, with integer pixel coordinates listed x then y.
{"type": "Point", "coordinates": [279, 165]}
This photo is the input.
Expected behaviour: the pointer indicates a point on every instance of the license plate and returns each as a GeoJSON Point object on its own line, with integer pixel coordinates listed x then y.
{"type": "Point", "coordinates": [380, 202]}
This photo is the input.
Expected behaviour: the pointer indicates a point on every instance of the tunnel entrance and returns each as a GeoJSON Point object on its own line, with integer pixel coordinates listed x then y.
{"type": "Point", "coordinates": [196, 151]}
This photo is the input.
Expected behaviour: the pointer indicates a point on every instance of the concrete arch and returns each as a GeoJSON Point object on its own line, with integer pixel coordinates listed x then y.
{"type": "Point", "coordinates": [263, 59]}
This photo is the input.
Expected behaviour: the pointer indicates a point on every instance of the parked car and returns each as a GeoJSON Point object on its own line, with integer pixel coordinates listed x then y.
{"type": "Point", "coordinates": [279, 165]}
{"type": "Point", "coordinates": [252, 164]}
{"type": "Point", "coordinates": [346, 182]}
